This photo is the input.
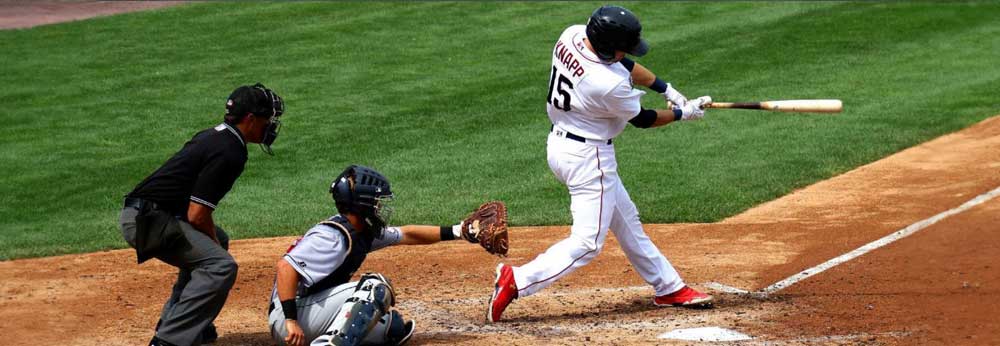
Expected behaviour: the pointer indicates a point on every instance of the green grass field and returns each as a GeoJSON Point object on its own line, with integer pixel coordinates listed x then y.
{"type": "Point", "coordinates": [446, 99]}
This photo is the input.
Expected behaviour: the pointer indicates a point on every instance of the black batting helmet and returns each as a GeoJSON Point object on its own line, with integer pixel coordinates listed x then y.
{"type": "Point", "coordinates": [365, 192]}
{"type": "Point", "coordinates": [614, 28]}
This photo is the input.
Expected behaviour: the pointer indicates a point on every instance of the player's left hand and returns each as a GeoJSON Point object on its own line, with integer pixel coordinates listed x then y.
{"type": "Point", "coordinates": [296, 337]}
{"type": "Point", "coordinates": [674, 96]}
{"type": "Point", "coordinates": [487, 226]}
{"type": "Point", "coordinates": [695, 109]}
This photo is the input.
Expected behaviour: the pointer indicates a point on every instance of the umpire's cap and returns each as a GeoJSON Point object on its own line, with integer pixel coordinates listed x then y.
{"type": "Point", "coordinates": [256, 99]}
{"type": "Point", "coordinates": [613, 28]}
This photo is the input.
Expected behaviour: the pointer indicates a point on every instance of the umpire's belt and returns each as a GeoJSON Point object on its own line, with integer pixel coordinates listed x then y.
{"type": "Point", "coordinates": [566, 134]}
{"type": "Point", "coordinates": [139, 203]}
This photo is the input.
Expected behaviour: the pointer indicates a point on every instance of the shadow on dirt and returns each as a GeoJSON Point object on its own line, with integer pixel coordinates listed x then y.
{"type": "Point", "coordinates": [244, 339]}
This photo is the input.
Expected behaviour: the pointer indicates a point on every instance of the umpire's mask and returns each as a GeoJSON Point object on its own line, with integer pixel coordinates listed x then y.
{"type": "Point", "coordinates": [273, 105]}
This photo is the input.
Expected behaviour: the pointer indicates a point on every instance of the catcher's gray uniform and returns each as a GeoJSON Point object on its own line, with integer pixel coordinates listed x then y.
{"type": "Point", "coordinates": [325, 258]}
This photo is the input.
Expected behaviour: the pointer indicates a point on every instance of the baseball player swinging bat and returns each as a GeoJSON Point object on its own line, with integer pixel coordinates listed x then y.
{"type": "Point", "coordinates": [806, 106]}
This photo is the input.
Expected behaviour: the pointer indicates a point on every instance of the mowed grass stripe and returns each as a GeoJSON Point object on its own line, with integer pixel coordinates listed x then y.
{"type": "Point", "coordinates": [447, 100]}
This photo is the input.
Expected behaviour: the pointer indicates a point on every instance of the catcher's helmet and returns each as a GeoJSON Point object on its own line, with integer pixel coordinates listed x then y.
{"type": "Point", "coordinates": [365, 192]}
{"type": "Point", "coordinates": [614, 28]}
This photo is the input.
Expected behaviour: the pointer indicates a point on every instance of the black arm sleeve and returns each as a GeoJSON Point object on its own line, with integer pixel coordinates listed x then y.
{"type": "Point", "coordinates": [628, 63]}
{"type": "Point", "coordinates": [216, 178]}
{"type": "Point", "coordinates": [644, 119]}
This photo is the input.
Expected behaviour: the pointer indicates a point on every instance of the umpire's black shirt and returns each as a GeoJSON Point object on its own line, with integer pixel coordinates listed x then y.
{"type": "Point", "coordinates": [203, 171]}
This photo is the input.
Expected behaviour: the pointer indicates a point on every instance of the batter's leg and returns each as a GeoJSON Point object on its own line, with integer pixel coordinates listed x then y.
{"type": "Point", "coordinates": [645, 257]}
{"type": "Point", "coordinates": [591, 204]}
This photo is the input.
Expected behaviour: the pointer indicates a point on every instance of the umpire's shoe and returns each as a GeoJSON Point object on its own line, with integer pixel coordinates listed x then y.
{"type": "Point", "coordinates": [504, 292]}
{"type": "Point", "coordinates": [208, 336]}
{"type": "Point", "coordinates": [157, 342]}
{"type": "Point", "coordinates": [685, 297]}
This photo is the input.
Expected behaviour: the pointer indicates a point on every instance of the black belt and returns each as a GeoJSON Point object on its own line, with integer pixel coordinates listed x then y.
{"type": "Point", "coordinates": [139, 203]}
{"type": "Point", "coordinates": [572, 136]}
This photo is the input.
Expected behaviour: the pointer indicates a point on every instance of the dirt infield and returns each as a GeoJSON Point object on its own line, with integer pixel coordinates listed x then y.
{"type": "Point", "coordinates": [26, 14]}
{"type": "Point", "coordinates": [938, 286]}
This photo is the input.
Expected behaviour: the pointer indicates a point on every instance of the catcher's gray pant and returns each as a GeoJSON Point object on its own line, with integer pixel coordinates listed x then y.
{"type": "Point", "coordinates": [207, 272]}
{"type": "Point", "coordinates": [316, 314]}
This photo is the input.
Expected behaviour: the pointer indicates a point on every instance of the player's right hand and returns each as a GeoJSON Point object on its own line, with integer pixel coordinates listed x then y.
{"type": "Point", "coordinates": [674, 96]}
{"type": "Point", "coordinates": [295, 335]}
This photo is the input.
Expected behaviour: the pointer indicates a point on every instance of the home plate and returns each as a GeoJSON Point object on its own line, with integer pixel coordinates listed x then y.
{"type": "Point", "coordinates": [705, 334]}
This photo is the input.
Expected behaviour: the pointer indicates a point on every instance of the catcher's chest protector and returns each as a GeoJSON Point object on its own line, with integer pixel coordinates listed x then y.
{"type": "Point", "coordinates": [359, 245]}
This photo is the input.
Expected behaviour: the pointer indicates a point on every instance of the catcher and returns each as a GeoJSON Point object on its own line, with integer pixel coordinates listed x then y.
{"type": "Point", "coordinates": [313, 301]}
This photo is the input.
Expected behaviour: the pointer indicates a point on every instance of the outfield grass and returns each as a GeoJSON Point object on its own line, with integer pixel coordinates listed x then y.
{"type": "Point", "coordinates": [446, 100]}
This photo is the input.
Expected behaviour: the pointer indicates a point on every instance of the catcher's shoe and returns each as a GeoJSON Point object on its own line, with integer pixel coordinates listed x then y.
{"type": "Point", "coordinates": [685, 297]}
{"type": "Point", "coordinates": [504, 292]}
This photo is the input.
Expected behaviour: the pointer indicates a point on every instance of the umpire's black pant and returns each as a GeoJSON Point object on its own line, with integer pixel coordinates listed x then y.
{"type": "Point", "coordinates": [207, 272]}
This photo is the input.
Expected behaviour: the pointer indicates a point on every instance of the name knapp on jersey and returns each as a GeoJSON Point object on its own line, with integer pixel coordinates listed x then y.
{"type": "Point", "coordinates": [562, 53]}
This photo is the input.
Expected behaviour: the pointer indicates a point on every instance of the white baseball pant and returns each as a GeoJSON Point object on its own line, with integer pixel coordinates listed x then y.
{"type": "Point", "coordinates": [316, 314]}
{"type": "Point", "coordinates": [598, 202]}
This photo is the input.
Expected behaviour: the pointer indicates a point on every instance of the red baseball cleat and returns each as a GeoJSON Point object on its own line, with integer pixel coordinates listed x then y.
{"type": "Point", "coordinates": [684, 297]}
{"type": "Point", "coordinates": [504, 292]}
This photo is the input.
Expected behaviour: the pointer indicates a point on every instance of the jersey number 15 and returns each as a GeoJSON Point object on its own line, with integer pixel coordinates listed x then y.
{"type": "Point", "coordinates": [559, 88]}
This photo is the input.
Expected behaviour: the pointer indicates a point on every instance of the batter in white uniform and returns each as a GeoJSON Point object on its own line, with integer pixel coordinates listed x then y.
{"type": "Point", "coordinates": [591, 97]}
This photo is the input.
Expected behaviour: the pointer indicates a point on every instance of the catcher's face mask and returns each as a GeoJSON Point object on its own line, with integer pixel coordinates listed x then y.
{"type": "Point", "coordinates": [383, 210]}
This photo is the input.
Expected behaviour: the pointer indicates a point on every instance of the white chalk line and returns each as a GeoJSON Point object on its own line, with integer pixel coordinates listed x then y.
{"type": "Point", "coordinates": [900, 234]}
{"type": "Point", "coordinates": [725, 288]}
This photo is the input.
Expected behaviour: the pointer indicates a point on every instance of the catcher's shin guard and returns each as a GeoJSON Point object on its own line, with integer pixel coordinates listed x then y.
{"type": "Point", "coordinates": [397, 331]}
{"type": "Point", "coordinates": [371, 300]}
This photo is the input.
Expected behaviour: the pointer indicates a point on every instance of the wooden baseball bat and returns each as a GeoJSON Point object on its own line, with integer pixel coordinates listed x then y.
{"type": "Point", "coordinates": [809, 106]}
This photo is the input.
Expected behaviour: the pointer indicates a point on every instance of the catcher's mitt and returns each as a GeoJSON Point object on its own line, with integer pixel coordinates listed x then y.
{"type": "Point", "coordinates": [488, 227]}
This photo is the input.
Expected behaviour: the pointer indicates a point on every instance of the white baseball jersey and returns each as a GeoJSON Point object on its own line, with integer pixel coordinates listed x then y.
{"type": "Point", "coordinates": [588, 97]}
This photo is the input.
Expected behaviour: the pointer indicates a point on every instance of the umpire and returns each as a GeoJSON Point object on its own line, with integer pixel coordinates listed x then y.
{"type": "Point", "coordinates": [168, 216]}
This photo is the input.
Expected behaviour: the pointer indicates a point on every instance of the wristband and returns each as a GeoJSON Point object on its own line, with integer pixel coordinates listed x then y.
{"type": "Point", "coordinates": [447, 233]}
{"type": "Point", "coordinates": [290, 309]}
{"type": "Point", "coordinates": [678, 113]}
{"type": "Point", "coordinates": [659, 85]}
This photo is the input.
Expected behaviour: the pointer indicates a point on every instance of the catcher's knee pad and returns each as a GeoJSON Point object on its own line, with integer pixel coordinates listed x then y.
{"type": "Point", "coordinates": [372, 299]}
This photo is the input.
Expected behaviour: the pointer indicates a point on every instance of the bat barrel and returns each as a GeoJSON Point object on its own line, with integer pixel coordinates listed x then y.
{"type": "Point", "coordinates": [809, 106]}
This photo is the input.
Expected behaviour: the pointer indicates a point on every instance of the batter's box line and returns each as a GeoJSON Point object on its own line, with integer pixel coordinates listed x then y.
{"type": "Point", "coordinates": [886, 240]}
{"type": "Point", "coordinates": [725, 288]}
